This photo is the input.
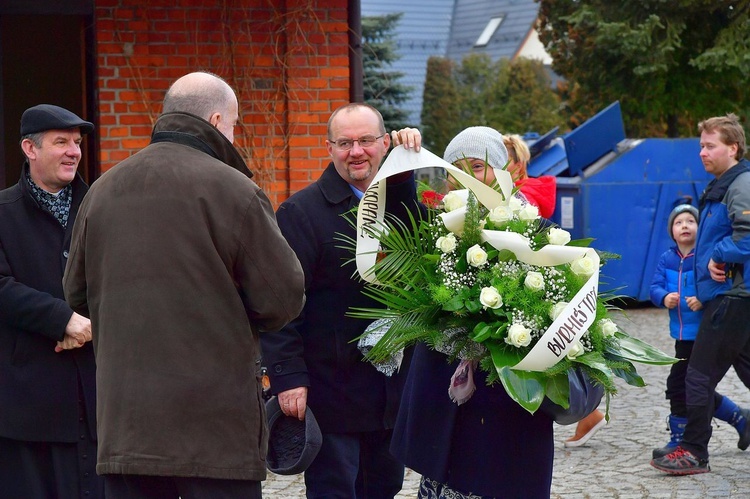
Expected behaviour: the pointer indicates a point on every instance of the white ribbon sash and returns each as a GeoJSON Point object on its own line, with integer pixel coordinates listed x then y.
{"type": "Point", "coordinates": [569, 326]}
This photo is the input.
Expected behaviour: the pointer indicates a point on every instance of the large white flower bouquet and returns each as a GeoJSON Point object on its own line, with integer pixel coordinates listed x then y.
{"type": "Point", "coordinates": [483, 279]}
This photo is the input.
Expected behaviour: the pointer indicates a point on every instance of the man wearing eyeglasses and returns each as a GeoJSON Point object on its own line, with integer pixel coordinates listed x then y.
{"type": "Point", "coordinates": [314, 361]}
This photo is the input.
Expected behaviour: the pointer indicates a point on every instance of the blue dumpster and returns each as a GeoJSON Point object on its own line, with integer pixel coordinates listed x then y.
{"type": "Point", "coordinates": [620, 192]}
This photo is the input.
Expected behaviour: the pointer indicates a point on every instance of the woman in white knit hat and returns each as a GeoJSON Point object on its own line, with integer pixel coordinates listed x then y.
{"type": "Point", "coordinates": [489, 446]}
{"type": "Point", "coordinates": [480, 150]}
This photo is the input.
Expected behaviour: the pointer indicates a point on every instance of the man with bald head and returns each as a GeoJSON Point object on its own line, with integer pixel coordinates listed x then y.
{"type": "Point", "coordinates": [177, 260]}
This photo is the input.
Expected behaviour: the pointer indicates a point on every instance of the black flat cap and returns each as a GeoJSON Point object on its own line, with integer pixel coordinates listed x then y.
{"type": "Point", "coordinates": [48, 117]}
{"type": "Point", "coordinates": [292, 444]}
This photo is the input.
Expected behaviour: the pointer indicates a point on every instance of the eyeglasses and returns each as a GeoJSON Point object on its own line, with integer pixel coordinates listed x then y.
{"type": "Point", "coordinates": [366, 141]}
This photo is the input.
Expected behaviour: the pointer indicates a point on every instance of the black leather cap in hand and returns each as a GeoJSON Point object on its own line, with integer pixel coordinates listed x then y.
{"type": "Point", "coordinates": [292, 444]}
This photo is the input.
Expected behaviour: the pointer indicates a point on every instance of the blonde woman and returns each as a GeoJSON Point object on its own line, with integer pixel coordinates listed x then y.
{"type": "Point", "coordinates": [539, 191]}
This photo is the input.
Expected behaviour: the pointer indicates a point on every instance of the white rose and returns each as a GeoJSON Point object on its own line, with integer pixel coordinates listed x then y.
{"type": "Point", "coordinates": [558, 237]}
{"type": "Point", "coordinates": [501, 214]}
{"type": "Point", "coordinates": [583, 267]}
{"type": "Point", "coordinates": [528, 212]}
{"type": "Point", "coordinates": [576, 350]}
{"type": "Point", "coordinates": [534, 281]}
{"type": "Point", "coordinates": [447, 244]}
{"type": "Point", "coordinates": [518, 336]}
{"type": "Point", "coordinates": [515, 204]}
{"type": "Point", "coordinates": [476, 256]}
{"type": "Point", "coordinates": [557, 309]}
{"type": "Point", "coordinates": [490, 298]}
{"type": "Point", "coordinates": [607, 327]}
{"type": "Point", "coordinates": [453, 201]}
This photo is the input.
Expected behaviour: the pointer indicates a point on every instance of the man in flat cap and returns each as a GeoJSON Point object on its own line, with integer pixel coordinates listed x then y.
{"type": "Point", "coordinates": [47, 370]}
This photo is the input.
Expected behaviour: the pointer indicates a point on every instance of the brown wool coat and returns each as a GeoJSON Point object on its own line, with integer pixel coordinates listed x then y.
{"type": "Point", "coordinates": [177, 259]}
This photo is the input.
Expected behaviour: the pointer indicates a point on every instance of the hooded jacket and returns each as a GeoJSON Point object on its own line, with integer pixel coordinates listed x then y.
{"type": "Point", "coordinates": [177, 258]}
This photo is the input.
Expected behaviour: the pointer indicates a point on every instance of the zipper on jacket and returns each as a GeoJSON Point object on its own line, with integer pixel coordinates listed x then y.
{"type": "Point", "coordinates": [679, 291]}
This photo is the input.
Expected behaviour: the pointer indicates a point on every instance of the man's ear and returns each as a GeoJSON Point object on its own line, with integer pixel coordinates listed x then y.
{"type": "Point", "coordinates": [28, 148]}
{"type": "Point", "coordinates": [215, 119]}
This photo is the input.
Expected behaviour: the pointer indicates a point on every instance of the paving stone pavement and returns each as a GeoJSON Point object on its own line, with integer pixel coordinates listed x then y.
{"type": "Point", "coordinates": [615, 463]}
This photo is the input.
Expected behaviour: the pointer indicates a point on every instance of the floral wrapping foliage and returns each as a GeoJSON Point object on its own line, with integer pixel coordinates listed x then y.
{"type": "Point", "coordinates": [473, 301]}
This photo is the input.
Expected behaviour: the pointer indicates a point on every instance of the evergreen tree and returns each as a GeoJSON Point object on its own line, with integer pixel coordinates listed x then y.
{"type": "Point", "coordinates": [381, 86]}
{"type": "Point", "coordinates": [440, 108]}
{"type": "Point", "coordinates": [512, 97]}
{"type": "Point", "coordinates": [670, 64]}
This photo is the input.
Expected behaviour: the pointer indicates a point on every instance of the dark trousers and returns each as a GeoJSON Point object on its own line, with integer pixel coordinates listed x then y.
{"type": "Point", "coordinates": [723, 340]}
{"type": "Point", "coordinates": [160, 487]}
{"type": "Point", "coordinates": [355, 465]}
{"type": "Point", "coordinates": [50, 470]}
{"type": "Point", "coordinates": [676, 380]}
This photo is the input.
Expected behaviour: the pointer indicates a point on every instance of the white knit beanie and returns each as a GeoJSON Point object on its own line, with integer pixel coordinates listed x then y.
{"type": "Point", "coordinates": [480, 142]}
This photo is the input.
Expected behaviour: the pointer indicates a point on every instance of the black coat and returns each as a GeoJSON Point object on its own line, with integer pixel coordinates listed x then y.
{"type": "Point", "coordinates": [347, 394]}
{"type": "Point", "coordinates": [38, 388]}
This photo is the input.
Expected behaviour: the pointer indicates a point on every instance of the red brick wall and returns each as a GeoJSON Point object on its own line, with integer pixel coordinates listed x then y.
{"type": "Point", "coordinates": [289, 67]}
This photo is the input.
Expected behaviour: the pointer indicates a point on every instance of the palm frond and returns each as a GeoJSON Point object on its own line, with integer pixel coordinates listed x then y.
{"type": "Point", "coordinates": [403, 247]}
{"type": "Point", "coordinates": [404, 331]}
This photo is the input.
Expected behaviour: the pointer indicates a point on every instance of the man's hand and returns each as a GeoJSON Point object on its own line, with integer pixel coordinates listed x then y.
{"type": "Point", "coordinates": [671, 300]}
{"type": "Point", "coordinates": [77, 333]}
{"type": "Point", "coordinates": [717, 271]}
{"type": "Point", "coordinates": [294, 402]}
{"type": "Point", "coordinates": [409, 137]}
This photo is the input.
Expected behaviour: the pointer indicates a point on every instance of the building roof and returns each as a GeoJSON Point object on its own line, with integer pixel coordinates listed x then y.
{"type": "Point", "coordinates": [422, 32]}
{"type": "Point", "coordinates": [506, 25]}
{"type": "Point", "coordinates": [451, 28]}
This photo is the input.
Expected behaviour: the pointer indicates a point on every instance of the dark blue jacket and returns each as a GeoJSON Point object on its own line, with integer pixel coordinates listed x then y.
{"type": "Point", "coordinates": [724, 233]}
{"type": "Point", "coordinates": [675, 273]}
{"type": "Point", "coordinates": [346, 393]}
{"type": "Point", "coordinates": [489, 446]}
{"type": "Point", "coordinates": [38, 388]}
